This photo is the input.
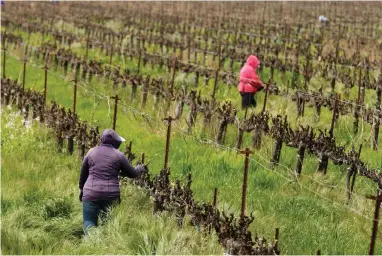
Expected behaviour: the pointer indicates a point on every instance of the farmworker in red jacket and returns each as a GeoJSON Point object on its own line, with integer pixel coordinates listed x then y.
{"type": "Point", "coordinates": [99, 183]}
{"type": "Point", "coordinates": [250, 82]}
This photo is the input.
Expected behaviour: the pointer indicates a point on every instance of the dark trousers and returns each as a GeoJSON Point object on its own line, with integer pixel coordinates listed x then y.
{"type": "Point", "coordinates": [92, 210]}
{"type": "Point", "coordinates": [247, 100]}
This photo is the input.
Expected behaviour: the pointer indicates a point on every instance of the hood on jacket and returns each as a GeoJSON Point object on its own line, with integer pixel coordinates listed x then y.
{"type": "Point", "coordinates": [253, 61]}
{"type": "Point", "coordinates": [110, 137]}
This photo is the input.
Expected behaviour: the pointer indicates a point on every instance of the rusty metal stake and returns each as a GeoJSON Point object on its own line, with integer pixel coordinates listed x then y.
{"type": "Point", "coordinates": [378, 201]}
{"type": "Point", "coordinates": [115, 109]}
{"type": "Point", "coordinates": [169, 120]}
{"type": "Point", "coordinates": [245, 181]}
{"type": "Point", "coordinates": [75, 96]}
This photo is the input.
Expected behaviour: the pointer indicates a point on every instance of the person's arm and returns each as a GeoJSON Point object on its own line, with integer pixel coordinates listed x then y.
{"type": "Point", "coordinates": [254, 81]}
{"type": "Point", "coordinates": [83, 176]}
{"type": "Point", "coordinates": [84, 173]}
{"type": "Point", "coordinates": [127, 169]}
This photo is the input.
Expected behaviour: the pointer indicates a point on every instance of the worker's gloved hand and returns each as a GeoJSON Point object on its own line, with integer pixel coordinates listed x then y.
{"type": "Point", "coordinates": [81, 195]}
{"type": "Point", "coordinates": [140, 168]}
{"type": "Point", "coordinates": [260, 88]}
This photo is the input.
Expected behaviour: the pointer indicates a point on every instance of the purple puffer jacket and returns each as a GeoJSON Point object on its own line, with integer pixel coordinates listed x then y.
{"type": "Point", "coordinates": [101, 167]}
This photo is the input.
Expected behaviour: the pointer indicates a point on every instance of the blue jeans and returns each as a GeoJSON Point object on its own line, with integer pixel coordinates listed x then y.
{"type": "Point", "coordinates": [92, 210]}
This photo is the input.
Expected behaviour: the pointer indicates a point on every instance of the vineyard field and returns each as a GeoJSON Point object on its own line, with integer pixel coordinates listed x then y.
{"type": "Point", "coordinates": [304, 115]}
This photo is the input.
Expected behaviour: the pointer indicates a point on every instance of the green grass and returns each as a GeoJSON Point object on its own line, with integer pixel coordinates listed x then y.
{"type": "Point", "coordinates": [41, 213]}
{"type": "Point", "coordinates": [311, 214]}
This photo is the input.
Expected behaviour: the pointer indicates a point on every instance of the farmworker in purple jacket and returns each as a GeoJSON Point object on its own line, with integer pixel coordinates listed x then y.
{"type": "Point", "coordinates": [99, 183]}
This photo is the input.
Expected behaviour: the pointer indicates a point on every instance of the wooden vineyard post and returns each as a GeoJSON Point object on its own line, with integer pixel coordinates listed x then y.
{"type": "Point", "coordinates": [265, 98]}
{"type": "Point", "coordinates": [143, 158]}
{"type": "Point", "coordinates": [111, 54]}
{"type": "Point", "coordinates": [357, 107]}
{"type": "Point", "coordinates": [115, 110]}
{"type": "Point", "coordinates": [215, 84]}
{"type": "Point", "coordinates": [362, 87]}
{"type": "Point", "coordinates": [334, 116]}
{"type": "Point", "coordinates": [376, 121]}
{"type": "Point", "coordinates": [4, 49]}
{"type": "Point", "coordinates": [205, 52]}
{"type": "Point", "coordinates": [24, 72]}
{"type": "Point", "coordinates": [75, 95]}
{"type": "Point", "coordinates": [45, 81]}
{"type": "Point", "coordinates": [378, 201]}
{"type": "Point", "coordinates": [219, 55]}
{"type": "Point", "coordinates": [139, 61]}
{"type": "Point", "coordinates": [300, 104]}
{"type": "Point", "coordinates": [245, 181]}
{"type": "Point", "coordinates": [189, 48]}
{"type": "Point", "coordinates": [318, 104]}
{"type": "Point", "coordinates": [215, 197]}
{"type": "Point", "coordinates": [87, 45]}
{"type": "Point", "coordinates": [169, 120]}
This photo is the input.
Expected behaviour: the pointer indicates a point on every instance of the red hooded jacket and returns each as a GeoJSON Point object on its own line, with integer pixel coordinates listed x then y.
{"type": "Point", "coordinates": [249, 80]}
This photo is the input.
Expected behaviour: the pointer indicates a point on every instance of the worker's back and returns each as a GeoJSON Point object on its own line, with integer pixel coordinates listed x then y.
{"type": "Point", "coordinates": [104, 167]}
{"type": "Point", "coordinates": [248, 76]}
{"type": "Point", "coordinates": [101, 167]}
